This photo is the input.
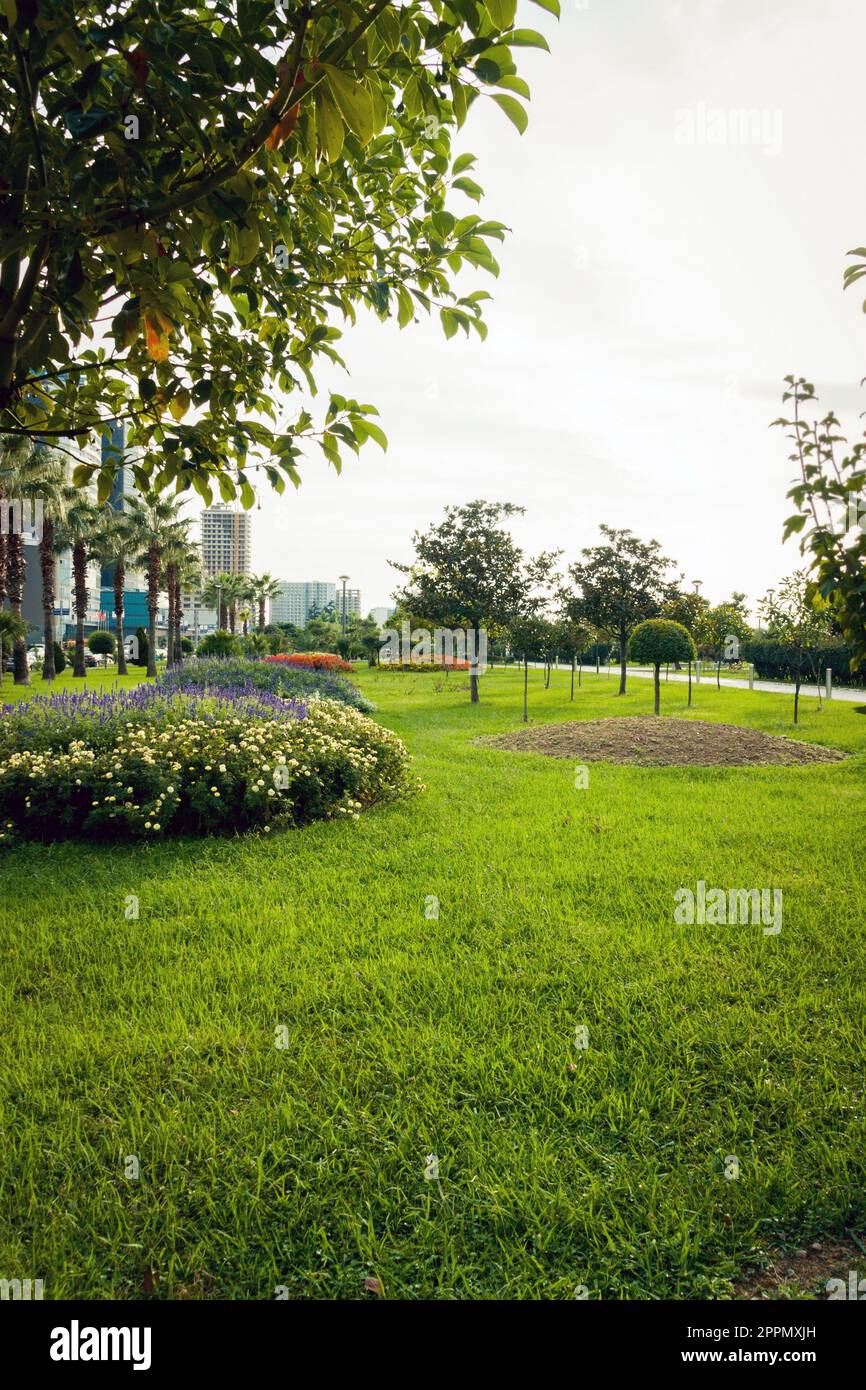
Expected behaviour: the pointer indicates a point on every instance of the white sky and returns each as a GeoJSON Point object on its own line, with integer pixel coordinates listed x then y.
{"type": "Point", "coordinates": [653, 295]}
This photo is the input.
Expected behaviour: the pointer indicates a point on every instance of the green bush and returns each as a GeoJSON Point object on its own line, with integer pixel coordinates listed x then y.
{"type": "Point", "coordinates": [59, 659]}
{"type": "Point", "coordinates": [219, 643]}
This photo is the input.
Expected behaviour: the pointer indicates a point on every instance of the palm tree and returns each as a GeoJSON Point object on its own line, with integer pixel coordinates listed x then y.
{"type": "Point", "coordinates": [12, 630]}
{"type": "Point", "coordinates": [263, 588]}
{"type": "Point", "coordinates": [155, 523]}
{"type": "Point", "coordinates": [212, 597]}
{"type": "Point", "coordinates": [75, 532]}
{"type": "Point", "coordinates": [178, 554]}
{"type": "Point", "coordinates": [189, 582]}
{"type": "Point", "coordinates": [39, 476]}
{"type": "Point", "coordinates": [234, 586]}
{"type": "Point", "coordinates": [14, 452]}
{"type": "Point", "coordinates": [115, 544]}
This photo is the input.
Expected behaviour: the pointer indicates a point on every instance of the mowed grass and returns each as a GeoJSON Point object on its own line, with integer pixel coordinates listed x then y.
{"type": "Point", "coordinates": [407, 1035]}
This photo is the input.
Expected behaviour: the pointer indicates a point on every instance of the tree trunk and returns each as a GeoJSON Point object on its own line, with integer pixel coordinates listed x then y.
{"type": "Point", "coordinates": [572, 678]}
{"type": "Point", "coordinates": [473, 689]}
{"type": "Point", "coordinates": [525, 684]}
{"type": "Point", "coordinates": [153, 566]}
{"type": "Point", "coordinates": [15, 590]}
{"type": "Point", "coordinates": [719, 675]}
{"type": "Point", "coordinates": [119, 582]}
{"type": "Point", "coordinates": [580, 673]}
{"type": "Point", "coordinates": [690, 682]}
{"type": "Point", "coordinates": [224, 617]}
{"type": "Point", "coordinates": [261, 615]}
{"type": "Point", "coordinates": [797, 691]}
{"type": "Point", "coordinates": [622, 658]}
{"type": "Point", "coordinates": [79, 582]}
{"type": "Point", "coordinates": [46, 564]}
{"type": "Point", "coordinates": [171, 589]}
{"type": "Point", "coordinates": [233, 618]}
{"type": "Point", "coordinates": [657, 676]}
{"type": "Point", "coordinates": [178, 613]}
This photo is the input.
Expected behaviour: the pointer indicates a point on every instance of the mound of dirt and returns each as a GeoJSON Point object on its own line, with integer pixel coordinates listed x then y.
{"type": "Point", "coordinates": [650, 741]}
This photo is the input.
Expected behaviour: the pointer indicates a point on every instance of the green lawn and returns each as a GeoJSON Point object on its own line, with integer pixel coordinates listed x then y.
{"type": "Point", "coordinates": [303, 1165]}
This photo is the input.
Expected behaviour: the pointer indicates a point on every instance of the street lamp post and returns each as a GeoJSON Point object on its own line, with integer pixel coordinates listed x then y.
{"type": "Point", "coordinates": [343, 579]}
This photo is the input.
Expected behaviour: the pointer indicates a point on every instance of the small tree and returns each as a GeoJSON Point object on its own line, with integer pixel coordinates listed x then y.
{"type": "Point", "coordinates": [657, 642]}
{"type": "Point", "coordinates": [620, 583]}
{"type": "Point", "coordinates": [722, 630]}
{"type": "Point", "coordinates": [794, 623]}
{"type": "Point", "coordinates": [59, 659]}
{"type": "Point", "coordinates": [102, 644]}
{"type": "Point", "coordinates": [527, 637]}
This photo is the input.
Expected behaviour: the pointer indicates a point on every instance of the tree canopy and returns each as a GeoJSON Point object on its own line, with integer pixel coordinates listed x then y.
{"type": "Point", "coordinates": [620, 583]}
{"type": "Point", "coordinates": [194, 197]}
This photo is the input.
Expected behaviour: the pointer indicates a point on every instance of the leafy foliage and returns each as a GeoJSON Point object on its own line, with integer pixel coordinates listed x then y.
{"type": "Point", "coordinates": [618, 584]}
{"type": "Point", "coordinates": [830, 497]}
{"type": "Point", "coordinates": [193, 197]}
{"type": "Point", "coordinates": [659, 641]}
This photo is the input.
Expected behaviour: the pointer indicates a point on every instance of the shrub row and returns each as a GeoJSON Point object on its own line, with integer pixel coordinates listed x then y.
{"type": "Point", "coordinates": [310, 661]}
{"type": "Point", "coordinates": [774, 661]}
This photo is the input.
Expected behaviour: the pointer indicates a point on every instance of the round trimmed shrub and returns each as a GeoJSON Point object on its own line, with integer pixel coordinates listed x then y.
{"type": "Point", "coordinates": [658, 641]}
{"type": "Point", "coordinates": [59, 659]}
{"type": "Point", "coordinates": [102, 644]}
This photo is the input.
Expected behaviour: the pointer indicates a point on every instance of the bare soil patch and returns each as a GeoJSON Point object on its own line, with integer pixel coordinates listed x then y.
{"type": "Point", "coordinates": [651, 741]}
{"type": "Point", "coordinates": [804, 1273]}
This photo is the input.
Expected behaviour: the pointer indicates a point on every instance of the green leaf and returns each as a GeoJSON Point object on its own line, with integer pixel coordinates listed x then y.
{"type": "Point", "coordinates": [406, 309]}
{"type": "Point", "coordinates": [515, 84]}
{"type": "Point", "coordinates": [330, 126]}
{"type": "Point", "coordinates": [552, 6]}
{"type": "Point", "coordinates": [470, 188]}
{"type": "Point", "coordinates": [513, 110]}
{"type": "Point", "coordinates": [528, 38]}
{"type": "Point", "coordinates": [463, 161]}
{"type": "Point", "coordinates": [354, 102]}
{"type": "Point", "coordinates": [501, 12]}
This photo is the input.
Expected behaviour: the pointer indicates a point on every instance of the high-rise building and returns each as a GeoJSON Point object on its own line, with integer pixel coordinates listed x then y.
{"type": "Point", "coordinates": [298, 601]}
{"type": "Point", "coordinates": [353, 603]}
{"type": "Point", "coordinates": [226, 541]}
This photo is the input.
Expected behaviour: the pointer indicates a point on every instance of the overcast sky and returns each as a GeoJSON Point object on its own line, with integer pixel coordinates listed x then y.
{"type": "Point", "coordinates": [653, 294]}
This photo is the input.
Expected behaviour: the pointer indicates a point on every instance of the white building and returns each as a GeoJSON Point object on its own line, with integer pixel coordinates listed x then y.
{"type": "Point", "coordinates": [297, 601]}
{"type": "Point", "coordinates": [226, 541]}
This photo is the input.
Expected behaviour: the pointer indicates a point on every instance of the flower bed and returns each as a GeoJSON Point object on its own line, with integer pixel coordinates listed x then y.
{"type": "Point", "coordinates": [277, 678]}
{"type": "Point", "coordinates": [310, 661]}
{"type": "Point", "coordinates": [150, 763]}
{"type": "Point", "coordinates": [448, 663]}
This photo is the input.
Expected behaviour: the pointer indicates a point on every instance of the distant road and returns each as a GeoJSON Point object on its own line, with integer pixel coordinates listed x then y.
{"type": "Point", "coordinates": [840, 692]}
